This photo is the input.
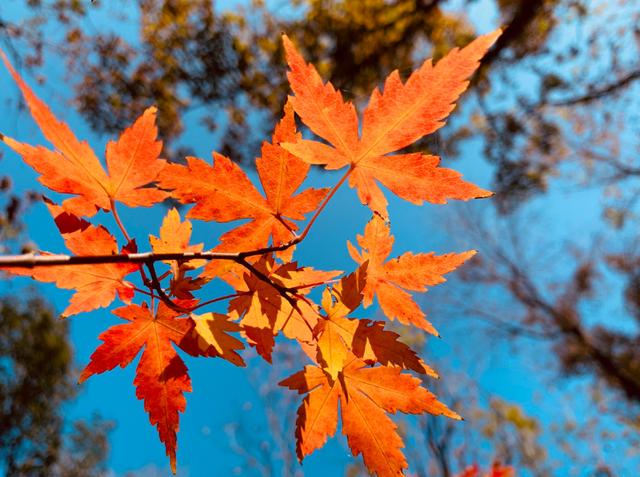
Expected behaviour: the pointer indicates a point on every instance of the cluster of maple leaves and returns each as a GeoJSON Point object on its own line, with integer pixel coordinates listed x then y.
{"type": "Point", "coordinates": [356, 365]}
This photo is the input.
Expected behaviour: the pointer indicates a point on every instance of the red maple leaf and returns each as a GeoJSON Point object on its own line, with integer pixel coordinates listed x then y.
{"type": "Point", "coordinates": [389, 280]}
{"type": "Point", "coordinates": [73, 168]}
{"type": "Point", "coordinates": [366, 395]}
{"type": "Point", "coordinates": [161, 376]}
{"type": "Point", "coordinates": [393, 120]}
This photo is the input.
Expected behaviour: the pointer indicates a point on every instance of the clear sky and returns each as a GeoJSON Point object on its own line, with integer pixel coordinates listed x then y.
{"type": "Point", "coordinates": [223, 393]}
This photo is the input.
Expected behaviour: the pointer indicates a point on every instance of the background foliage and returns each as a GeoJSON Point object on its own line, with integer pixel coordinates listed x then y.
{"type": "Point", "coordinates": [552, 119]}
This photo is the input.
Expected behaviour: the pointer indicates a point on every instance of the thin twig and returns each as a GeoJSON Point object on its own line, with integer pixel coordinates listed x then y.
{"type": "Point", "coordinates": [161, 294]}
{"type": "Point", "coordinates": [31, 260]}
{"type": "Point", "coordinates": [144, 292]}
{"type": "Point", "coordinates": [316, 284]}
{"type": "Point", "coordinates": [326, 200]}
{"type": "Point", "coordinates": [116, 216]}
{"type": "Point", "coordinates": [299, 238]}
{"type": "Point", "coordinates": [127, 237]}
{"type": "Point", "coordinates": [220, 298]}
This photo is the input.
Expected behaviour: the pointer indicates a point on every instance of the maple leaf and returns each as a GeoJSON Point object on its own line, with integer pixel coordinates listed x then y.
{"type": "Point", "coordinates": [262, 339]}
{"type": "Point", "coordinates": [262, 307]}
{"type": "Point", "coordinates": [359, 363]}
{"type": "Point", "coordinates": [96, 285]}
{"type": "Point", "coordinates": [389, 280]}
{"type": "Point", "coordinates": [335, 333]}
{"type": "Point", "coordinates": [174, 238]}
{"type": "Point", "coordinates": [213, 330]}
{"type": "Point", "coordinates": [366, 339]}
{"type": "Point", "coordinates": [497, 470]}
{"type": "Point", "coordinates": [393, 119]}
{"type": "Point", "coordinates": [224, 193]}
{"type": "Point", "coordinates": [340, 336]}
{"type": "Point", "coordinates": [365, 395]}
{"type": "Point", "coordinates": [161, 376]}
{"type": "Point", "coordinates": [73, 168]}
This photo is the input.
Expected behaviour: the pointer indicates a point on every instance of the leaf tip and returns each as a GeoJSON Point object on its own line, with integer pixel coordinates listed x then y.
{"type": "Point", "coordinates": [469, 253]}
{"type": "Point", "coordinates": [286, 42]}
{"type": "Point", "coordinates": [291, 53]}
{"type": "Point", "coordinates": [452, 414]}
{"type": "Point", "coordinates": [495, 33]}
{"type": "Point", "coordinates": [5, 60]}
{"type": "Point", "coordinates": [83, 376]}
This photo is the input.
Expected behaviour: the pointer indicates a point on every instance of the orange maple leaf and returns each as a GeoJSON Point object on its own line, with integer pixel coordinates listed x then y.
{"type": "Point", "coordinates": [161, 376]}
{"type": "Point", "coordinates": [339, 336]}
{"type": "Point", "coordinates": [366, 395]}
{"type": "Point", "coordinates": [95, 286]}
{"type": "Point", "coordinates": [213, 331]}
{"type": "Point", "coordinates": [224, 193]}
{"type": "Point", "coordinates": [497, 470]}
{"type": "Point", "coordinates": [73, 168]}
{"type": "Point", "coordinates": [262, 307]}
{"type": "Point", "coordinates": [394, 119]}
{"type": "Point", "coordinates": [358, 363]}
{"type": "Point", "coordinates": [174, 238]}
{"type": "Point", "coordinates": [389, 280]}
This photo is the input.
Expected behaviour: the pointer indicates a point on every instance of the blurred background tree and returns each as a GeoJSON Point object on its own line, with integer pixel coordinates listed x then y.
{"type": "Point", "coordinates": [37, 379]}
{"type": "Point", "coordinates": [225, 67]}
{"type": "Point", "coordinates": [554, 110]}
{"type": "Point", "coordinates": [499, 432]}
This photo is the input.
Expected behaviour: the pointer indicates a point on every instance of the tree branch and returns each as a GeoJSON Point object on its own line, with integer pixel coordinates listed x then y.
{"type": "Point", "coordinates": [157, 286]}
{"type": "Point", "coordinates": [524, 14]}
{"type": "Point", "coordinates": [599, 93]}
{"type": "Point", "coordinates": [32, 260]}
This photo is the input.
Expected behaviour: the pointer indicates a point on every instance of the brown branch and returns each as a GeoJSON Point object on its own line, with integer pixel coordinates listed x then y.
{"type": "Point", "coordinates": [601, 92]}
{"type": "Point", "coordinates": [284, 291]}
{"type": "Point", "coordinates": [281, 289]}
{"type": "Point", "coordinates": [524, 14]}
{"type": "Point", "coordinates": [220, 298]}
{"type": "Point", "coordinates": [525, 291]}
{"type": "Point", "coordinates": [144, 292]}
{"type": "Point", "coordinates": [157, 286]}
{"type": "Point", "coordinates": [32, 260]}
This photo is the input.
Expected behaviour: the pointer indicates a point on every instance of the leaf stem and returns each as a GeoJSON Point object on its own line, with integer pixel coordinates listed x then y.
{"type": "Point", "coordinates": [220, 298]}
{"type": "Point", "coordinates": [116, 216]}
{"type": "Point", "coordinates": [144, 292]}
{"type": "Point", "coordinates": [325, 201]}
{"type": "Point", "coordinates": [127, 237]}
{"type": "Point", "coordinates": [316, 284]}
{"type": "Point", "coordinates": [161, 294]}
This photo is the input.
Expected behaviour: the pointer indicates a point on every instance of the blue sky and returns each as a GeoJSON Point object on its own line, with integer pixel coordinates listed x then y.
{"type": "Point", "coordinates": [223, 393]}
